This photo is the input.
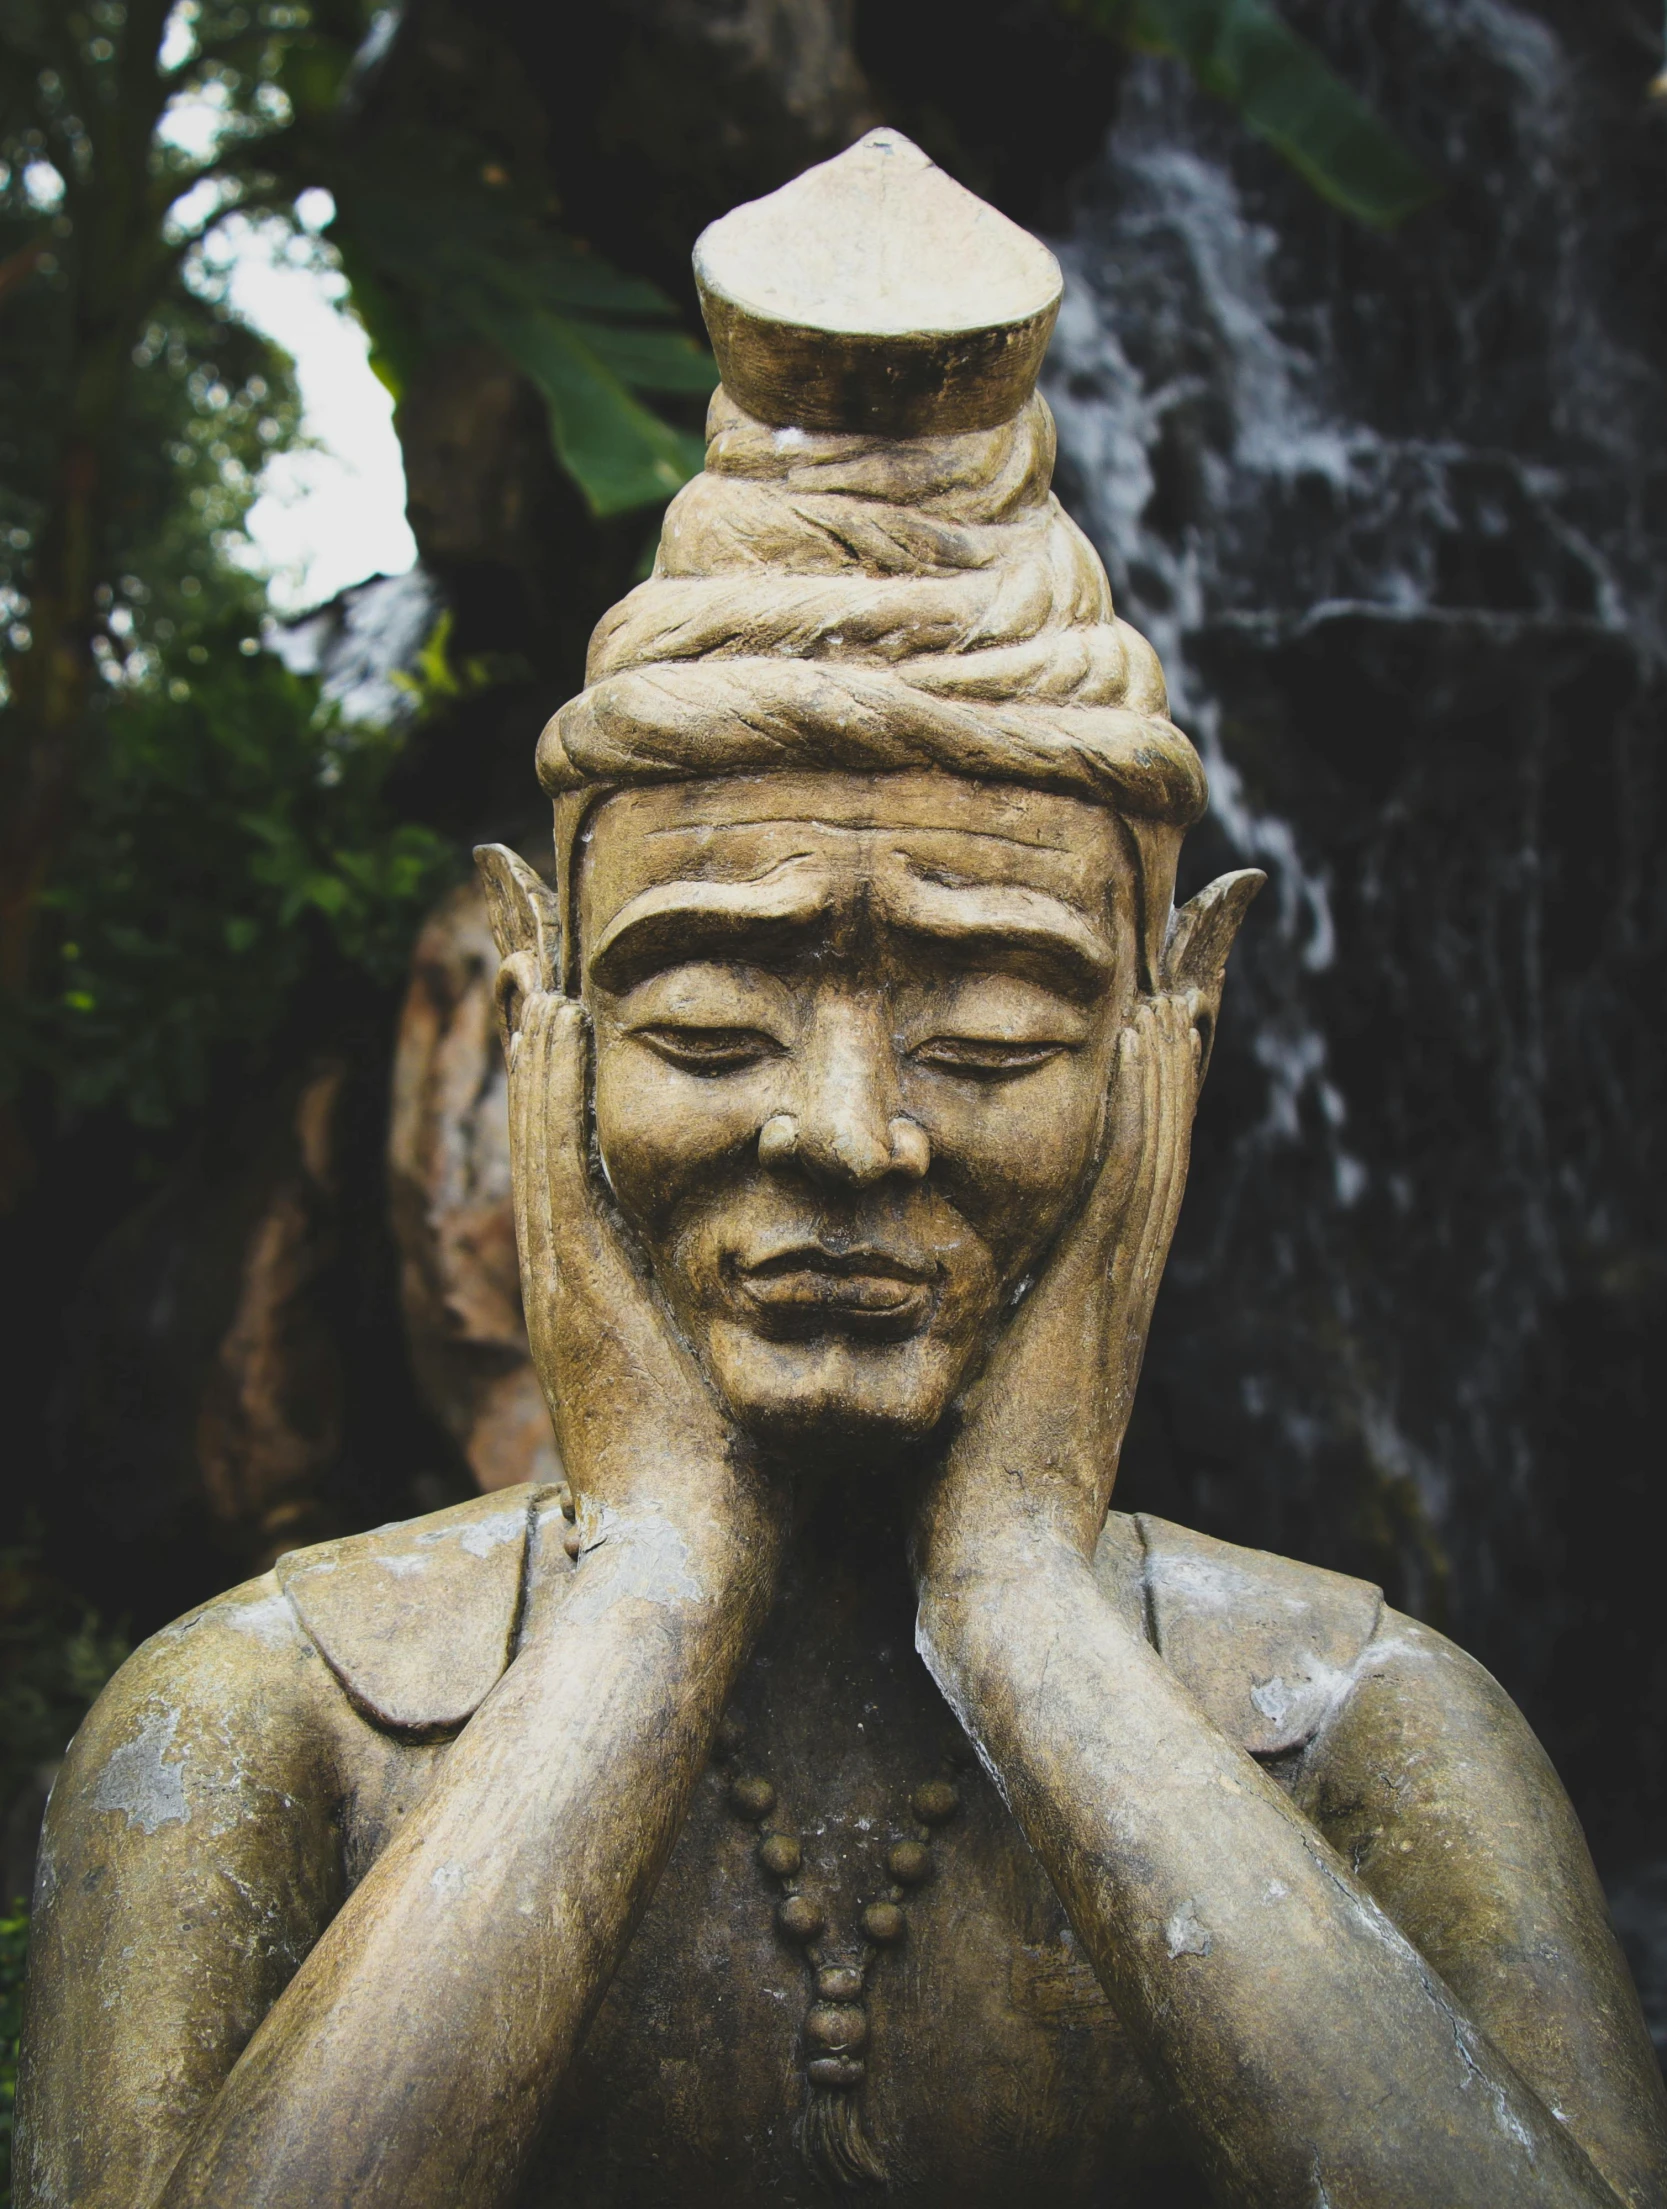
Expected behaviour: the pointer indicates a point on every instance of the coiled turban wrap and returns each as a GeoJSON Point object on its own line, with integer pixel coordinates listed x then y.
{"type": "Point", "coordinates": [874, 604]}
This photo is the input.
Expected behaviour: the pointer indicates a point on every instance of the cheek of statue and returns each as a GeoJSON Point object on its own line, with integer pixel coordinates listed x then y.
{"type": "Point", "coordinates": [842, 1288]}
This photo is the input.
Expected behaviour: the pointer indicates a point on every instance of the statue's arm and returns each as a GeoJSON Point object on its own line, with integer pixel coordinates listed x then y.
{"type": "Point", "coordinates": [410, 2061]}
{"type": "Point", "coordinates": [212, 2019]}
{"type": "Point", "coordinates": [189, 1860]}
{"type": "Point", "coordinates": [1313, 2051]}
{"type": "Point", "coordinates": [1312, 2048]}
{"type": "Point", "coordinates": [1432, 1788]}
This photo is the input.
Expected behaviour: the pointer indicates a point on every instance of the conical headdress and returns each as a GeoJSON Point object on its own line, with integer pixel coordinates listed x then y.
{"type": "Point", "coordinates": [872, 573]}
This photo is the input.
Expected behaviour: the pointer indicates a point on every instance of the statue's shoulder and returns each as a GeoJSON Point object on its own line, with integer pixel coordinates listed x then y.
{"type": "Point", "coordinates": [417, 1620]}
{"type": "Point", "coordinates": [1267, 1645]}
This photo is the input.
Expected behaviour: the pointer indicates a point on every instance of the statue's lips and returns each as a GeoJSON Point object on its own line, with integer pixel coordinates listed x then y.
{"type": "Point", "coordinates": [810, 1283]}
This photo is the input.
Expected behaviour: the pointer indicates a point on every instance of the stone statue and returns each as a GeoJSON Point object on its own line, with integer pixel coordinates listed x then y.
{"type": "Point", "coordinates": [819, 1791]}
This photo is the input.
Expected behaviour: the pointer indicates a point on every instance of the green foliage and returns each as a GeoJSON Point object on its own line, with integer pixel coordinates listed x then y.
{"type": "Point", "coordinates": [432, 249]}
{"type": "Point", "coordinates": [434, 261]}
{"type": "Point", "coordinates": [234, 843]}
{"type": "Point", "coordinates": [55, 1655]}
{"type": "Point", "coordinates": [231, 841]}
{"type": "Point", "coordinates": [14, 1950]}
{"type": "Point", "coordinates": [230, 844]}
{"type": "Point", "coordinates": [210, 402]}
{"type": "Point", "coordinates": [1244, 53]}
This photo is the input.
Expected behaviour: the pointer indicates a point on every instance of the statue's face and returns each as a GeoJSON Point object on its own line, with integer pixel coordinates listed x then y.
{"type": "Point", "coordinates": [854, 1036]}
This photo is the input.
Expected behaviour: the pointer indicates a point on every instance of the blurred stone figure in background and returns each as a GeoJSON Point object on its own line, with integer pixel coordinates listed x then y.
{"type": "Point", "coordinates": [453, 1219]}
{"type": "Point", "coordinates": [824, 1787]}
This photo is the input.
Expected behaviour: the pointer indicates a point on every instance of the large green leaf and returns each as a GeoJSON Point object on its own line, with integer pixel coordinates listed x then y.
{"type": "Point", "coordinates": [441, 232]}
{"type": "Point", "coordinates": [589, 337]}
{"type": "Point", "coordinates": [618, 453]}
{"type": "Point", "coordinates": [1286, 92]}
{"type": "Point", "coordinates": [651, 360]}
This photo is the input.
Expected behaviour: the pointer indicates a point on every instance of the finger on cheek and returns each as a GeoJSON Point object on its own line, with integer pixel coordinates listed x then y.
{"type": "Point", "coordinates": [565, 1101]}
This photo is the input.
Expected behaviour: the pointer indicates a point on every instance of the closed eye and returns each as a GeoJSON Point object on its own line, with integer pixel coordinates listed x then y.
{"type": "Point", "coordinates": [979, 1058]}
{"type": "Point", "coordinates": [709, 1050]}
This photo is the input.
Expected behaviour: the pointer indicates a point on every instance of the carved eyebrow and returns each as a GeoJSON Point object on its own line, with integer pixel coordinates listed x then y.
{"type": "Point", "coordinates": [680, 921]}
{"type": "Point", "coordinates": [1007, 922]}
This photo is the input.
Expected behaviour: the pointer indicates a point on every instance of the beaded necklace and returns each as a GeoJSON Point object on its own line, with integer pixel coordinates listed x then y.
{"type": "Point", "coordinates": [836, 2026]}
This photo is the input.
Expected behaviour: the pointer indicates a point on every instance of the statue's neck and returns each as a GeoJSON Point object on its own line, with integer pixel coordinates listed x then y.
{"type": "Point", "coordinates": [846, 1578]}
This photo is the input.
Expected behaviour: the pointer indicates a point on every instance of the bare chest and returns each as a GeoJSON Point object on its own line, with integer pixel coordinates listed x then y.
{"type": "Point", "coordinates": [854, 1975]}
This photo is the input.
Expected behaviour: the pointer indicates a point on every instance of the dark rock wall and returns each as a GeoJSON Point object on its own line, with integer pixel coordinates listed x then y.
{"type": "Point", "coordinates": [1393, 511]}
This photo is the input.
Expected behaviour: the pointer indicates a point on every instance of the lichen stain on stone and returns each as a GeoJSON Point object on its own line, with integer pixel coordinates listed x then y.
{"type": "Point", "coordinates": [138, 1782]}
{"type": "Point", "coordinates": [1210, 1586]}
{"type": "Point", "coordinates": [268, 1618]}
{"type": "Point", "coordinates": [1184, 1935]}
{"type": "Point", "coordinates": [1273, 1699]}
{"type": "Point", "coordinates": [487, 1535]}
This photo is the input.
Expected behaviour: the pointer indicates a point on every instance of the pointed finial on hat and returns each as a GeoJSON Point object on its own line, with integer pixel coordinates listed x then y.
{"type": "Point", "coordinates": [875, 293]}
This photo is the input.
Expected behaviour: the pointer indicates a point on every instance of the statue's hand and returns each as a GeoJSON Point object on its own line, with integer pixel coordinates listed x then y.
{"type": "Point", "coordinates": [639, 1427]}
{"type": "Point", "coordinates": [633, 1413]}
{"type": "Point", "coordinates": [1042, 1427]}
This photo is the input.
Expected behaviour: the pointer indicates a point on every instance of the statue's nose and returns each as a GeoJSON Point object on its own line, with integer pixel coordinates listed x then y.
{"type": "Point", "coordinates": [844, 1124]}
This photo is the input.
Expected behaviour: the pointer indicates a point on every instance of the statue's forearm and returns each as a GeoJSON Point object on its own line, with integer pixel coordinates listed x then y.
{"type": "Point", "coordinates": [1314, 2054]}
{"type": "Point", "coordinates": [412, 2058]}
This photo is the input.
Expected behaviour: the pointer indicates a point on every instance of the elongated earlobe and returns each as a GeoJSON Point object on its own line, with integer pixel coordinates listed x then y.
{"type": "Point", "coordinates": [1195, 951]}
{"type": "Point", "coordinates": [521, 912]}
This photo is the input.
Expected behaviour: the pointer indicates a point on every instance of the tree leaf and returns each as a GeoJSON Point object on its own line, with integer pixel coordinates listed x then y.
{"type": "Point", "coordinates": [1287, 93]}
{"type": "Point", "coordinates": [432, 238]}
{"type": "Point", "coordinates": [618, 453]}
{"type": "Point", "coordinates": [587, 336]}
{"type": "Point", "coordinates": [651, 360]}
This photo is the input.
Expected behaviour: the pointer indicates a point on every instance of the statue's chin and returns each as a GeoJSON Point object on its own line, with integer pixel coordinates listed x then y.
{"type": "Point", "coordinates": [831, 1397]}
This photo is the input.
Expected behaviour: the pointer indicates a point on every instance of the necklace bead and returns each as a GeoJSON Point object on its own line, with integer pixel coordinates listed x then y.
{"type": "Point", "coordinates": [909, 1863]}
{"type": "Point", "coordinates": [800, 1919]}
{"type": "Point", "coordinates": [838, 2074]}
{"type": "Point", "coordinates": [780, 1855]}
{"type": "Point", "coordinates": [935, 1803]}
{"type": "Point", "coordinates": [752, 1799]}
{"type": "Point", "coordinates": [839, 2027]}
{"type": "Point", "coordinates": [884, 1923]}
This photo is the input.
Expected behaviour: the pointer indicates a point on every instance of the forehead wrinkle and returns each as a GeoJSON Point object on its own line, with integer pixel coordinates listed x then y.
{"type": "Point", "coordinates": [708, 831]}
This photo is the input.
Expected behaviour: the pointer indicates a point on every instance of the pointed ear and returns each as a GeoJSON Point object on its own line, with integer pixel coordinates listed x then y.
{"type": "Point", "coordinates": [1195, 950]}
{"type": "Point", "coordinates": [521, 912]}
{"type": "Point", "coordinates": [520, 909]}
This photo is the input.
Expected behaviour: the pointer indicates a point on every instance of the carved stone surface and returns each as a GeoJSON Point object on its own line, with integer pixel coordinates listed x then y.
{"type": "Point", "coordinates": [824, 316]}
{"type": "Point", "coordinates": [826, 1789]}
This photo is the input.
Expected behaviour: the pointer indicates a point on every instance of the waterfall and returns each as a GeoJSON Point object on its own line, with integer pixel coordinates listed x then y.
{"type": "Point", "coordinates": [1392, 512]}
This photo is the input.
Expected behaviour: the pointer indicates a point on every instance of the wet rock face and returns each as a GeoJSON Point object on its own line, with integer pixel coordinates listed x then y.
{"type": "Point", "coordinates": [1392, 510]}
